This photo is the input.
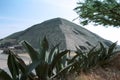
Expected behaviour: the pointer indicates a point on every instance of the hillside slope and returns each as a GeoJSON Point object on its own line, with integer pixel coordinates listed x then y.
{"type": "Point", "coordinates": [59, 30]}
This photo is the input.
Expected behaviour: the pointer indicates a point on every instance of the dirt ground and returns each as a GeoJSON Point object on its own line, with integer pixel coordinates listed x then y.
{"type": "Point", "coordinates": [110, 72]}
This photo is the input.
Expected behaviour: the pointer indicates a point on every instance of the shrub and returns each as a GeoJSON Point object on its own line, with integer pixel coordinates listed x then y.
{"type": "Point", "coordinates": [96, 56]}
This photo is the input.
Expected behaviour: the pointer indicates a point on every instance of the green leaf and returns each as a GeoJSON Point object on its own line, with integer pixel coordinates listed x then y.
{"type": "Point", "coordinates": [61, 71]}
{"type": "Point", "coordinates": [73, 59]}
{"type": "Point", "coordinates": [84, 22]}
{"type": "Point", "coordinates": [57, 57]}
{"type": "Point", "coordinates": [12, 65]}
{"type": "Point", "coordinates": [32, 66]}
{"type": "Point", "coordinates": [4, 75]}
{"type": "Point", "coordinates": [43, 49]}
{"type": "Point", "coordinates": [53, 51]}
{"type": "Point", "coordinates": [21, 64]}
{"type": "Point", "coordinates": [101, 8]}
{"type": "Point", "coordinates": [34, 55]}
{"type": "Point", "coordinates": [58, 66]}
{"type": "Point", "coordinates": [111, 48]}
{"type": "Point", "coordinates": [42, 71]}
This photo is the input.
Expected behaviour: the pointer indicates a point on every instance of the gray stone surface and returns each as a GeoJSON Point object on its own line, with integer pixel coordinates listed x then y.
{"type": "Point", "coordinates": [59, 30]}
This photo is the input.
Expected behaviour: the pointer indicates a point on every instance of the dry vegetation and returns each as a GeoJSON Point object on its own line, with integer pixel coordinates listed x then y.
{"type": "Point", "coordinates": [109, 72]}
{"type": "Point", "coordinates": [97, 64]}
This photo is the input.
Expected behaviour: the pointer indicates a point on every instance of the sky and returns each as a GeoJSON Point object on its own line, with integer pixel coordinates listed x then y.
{"type": "Point", "coordinates": [17, 15]}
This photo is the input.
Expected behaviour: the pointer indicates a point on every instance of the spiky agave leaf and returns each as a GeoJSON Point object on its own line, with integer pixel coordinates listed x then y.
{"type": "Point", "coordinates": [4, 75]}
{"type": "Point", "coordinates": [42, 66]}
{"type": "Point", "coordinates": [52, 53]}
{"type": "Point", "coordinates": [111, 49]}
{"type": "Point", "coordinates": [34, 55]}
{"type": "Point", "coordinates": [62, 70]}
{"type": "Point", "coordinates": [102, 54]}
{"type": "Point", "coordinates": [42, 71]}
{"type": "Point", "coordinates": [21, 64]}
{"type": "Point", "coordinates": [110, 53]}
{"type": "Point", "coordinates": [13, 66]}
{"type": "Point", "coordinates": [43, 48]}
{"type": "Point", "coordinates": [26, 72]}
{"type": "Point", "coordinates": [57, 57]}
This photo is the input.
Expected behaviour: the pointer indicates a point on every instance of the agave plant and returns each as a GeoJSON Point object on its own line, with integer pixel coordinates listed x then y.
{"type": "Point", "coordinates": [96, 56]}
{"type": "Point", "coordinates": [107, 53]}
{"type": "Point", "coordinates": [52, 63]}
{"type": "Point", "coordinates": [64, 66]}
{"type": "Point", "coordinates": [45, 62]}
{"type": "Point", "coordinates": [17, 69]}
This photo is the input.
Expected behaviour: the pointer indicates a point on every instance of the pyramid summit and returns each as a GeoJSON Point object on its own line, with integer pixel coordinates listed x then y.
{"type": "Point", "coordinates": [59, 30]}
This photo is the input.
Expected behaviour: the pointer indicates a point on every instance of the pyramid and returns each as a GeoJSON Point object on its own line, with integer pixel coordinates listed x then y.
{"type": "Point", "coordinates": [59, 30]}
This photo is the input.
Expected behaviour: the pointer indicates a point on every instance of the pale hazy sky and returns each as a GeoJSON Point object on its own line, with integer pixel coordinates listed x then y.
{"type": "Point", "coordinates": [17, 15]}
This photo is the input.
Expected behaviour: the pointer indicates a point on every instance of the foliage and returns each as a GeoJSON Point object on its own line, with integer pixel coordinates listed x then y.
{"type": "Point", "coordinates": [96, 56]}
{"type": "Point", "coordinates": [44, 62]}
{"type": "Point", "coordinates": [105, 12]}
{"type": "Point", "coordinates": [64, 67]}
{"type": "Point", "coordinates": [17, 68]}
{"type": "Point", "coordinates": [53, 63]}
{"type": "Point", "coordinates": [4, 75]}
